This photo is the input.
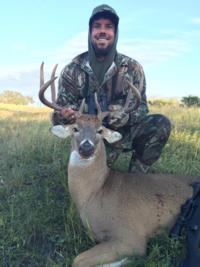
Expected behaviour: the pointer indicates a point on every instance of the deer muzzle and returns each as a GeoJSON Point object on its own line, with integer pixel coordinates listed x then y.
{"type": "Point", "coordinates": [86, 148]}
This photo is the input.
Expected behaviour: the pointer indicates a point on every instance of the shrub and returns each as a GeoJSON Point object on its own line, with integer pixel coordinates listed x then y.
{"type": "Point", "coordinates": [11, 97]}
{"type": "Point", "coordinates": [189, 101]}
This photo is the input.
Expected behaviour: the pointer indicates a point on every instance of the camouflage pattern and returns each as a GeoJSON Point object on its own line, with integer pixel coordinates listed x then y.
{"type": "Point", "coordinates": [143, 134]}
{"type": "Point", "coordinates": [145, 139]}
{"type": "Point", "coordinates": [78, 75]}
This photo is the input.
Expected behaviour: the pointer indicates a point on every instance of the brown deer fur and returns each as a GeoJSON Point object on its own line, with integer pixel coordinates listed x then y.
{"type": "Point", "coordinates": [122, 209]}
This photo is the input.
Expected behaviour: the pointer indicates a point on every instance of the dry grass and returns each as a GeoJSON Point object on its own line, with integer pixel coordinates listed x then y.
{"type": "Point", "coordinates": [38, 223]}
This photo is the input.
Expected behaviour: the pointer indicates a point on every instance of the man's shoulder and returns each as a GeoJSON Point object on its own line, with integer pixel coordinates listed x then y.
{"type": "Point", "coordinates": [81, 58]}
{"type": "Point", "coordinates": [126, 60]}
{"type": "Point", "coordinates": [76, 62]}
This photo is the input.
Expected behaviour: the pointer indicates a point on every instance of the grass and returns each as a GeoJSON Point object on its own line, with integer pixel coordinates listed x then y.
{"type": "Point", "coordinates": [38, 222]}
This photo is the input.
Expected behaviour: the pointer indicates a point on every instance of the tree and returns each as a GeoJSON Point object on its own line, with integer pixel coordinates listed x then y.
{"type": "Point", "coordinates": [13, 97]}
{"type": "Point", "coordinates": [191, 101]}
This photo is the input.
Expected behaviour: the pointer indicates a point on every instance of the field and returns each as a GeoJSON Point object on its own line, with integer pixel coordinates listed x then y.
{"type": "Point", "coordinates": [38, 222]}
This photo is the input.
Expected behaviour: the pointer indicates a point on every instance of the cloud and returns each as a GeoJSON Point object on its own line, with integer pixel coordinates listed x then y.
{"type": "Point", "coordinates": [73, 47]}
{"type": "Point", "coordinates": [25, 78]}
{"type": "Point", "coordinates": [153, 51]}
{"type": "Point", "coordinates": [19, 46]}
{"type": "Point", "coordinates": [147, 50]}
{"type": "Point", "coordinates": [195, 20]}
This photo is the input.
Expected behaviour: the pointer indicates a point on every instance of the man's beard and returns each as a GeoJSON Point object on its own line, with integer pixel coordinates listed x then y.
{"type": "Point", "coordinates": [101, 51]}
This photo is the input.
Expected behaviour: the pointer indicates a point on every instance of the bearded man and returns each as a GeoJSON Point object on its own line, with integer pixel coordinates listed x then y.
{"type": "Point", "coordinates": [105, 71]}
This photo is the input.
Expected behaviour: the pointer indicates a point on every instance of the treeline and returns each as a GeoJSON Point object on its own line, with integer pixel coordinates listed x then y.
{"type": "Point", "coordinates": [187, 101]}
{"type": "Point", "coordinates": [191, 101]}
{"type": "Point", "coordinates": [13, 97]}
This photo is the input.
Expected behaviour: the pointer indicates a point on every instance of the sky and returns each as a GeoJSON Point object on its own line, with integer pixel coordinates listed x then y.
{"type": "Point", "coordinates": [164, 36]}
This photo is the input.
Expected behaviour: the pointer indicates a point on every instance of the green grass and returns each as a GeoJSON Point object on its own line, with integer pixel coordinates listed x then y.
{"type": "Point", "coordinates": [38, 222]}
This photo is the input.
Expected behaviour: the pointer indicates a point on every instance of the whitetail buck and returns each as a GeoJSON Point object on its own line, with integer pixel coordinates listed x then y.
{"type": "Point", "coordinates": [122, 209]}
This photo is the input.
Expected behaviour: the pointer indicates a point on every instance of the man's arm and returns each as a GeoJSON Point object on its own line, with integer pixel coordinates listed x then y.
{"type": "Point", "coordinates": [134, 74]}
{"type": "Point", "coordinates": [67, 98]}
{"type": "Point", "coordinates": [138, 80]}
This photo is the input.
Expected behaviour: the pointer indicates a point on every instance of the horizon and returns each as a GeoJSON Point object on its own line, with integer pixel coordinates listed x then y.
{"type": "Point", "coordinates": [163, 36]}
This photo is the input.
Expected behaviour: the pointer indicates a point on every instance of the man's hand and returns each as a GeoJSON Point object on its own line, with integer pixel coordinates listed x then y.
{"type": "Point", "coordinates": [68, 114]}
{"type": "Point", "coordinates": [117, 117]}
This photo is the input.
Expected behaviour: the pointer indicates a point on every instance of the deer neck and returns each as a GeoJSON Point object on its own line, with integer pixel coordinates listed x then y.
{"type": "Point", "coordinates": [87, 176]}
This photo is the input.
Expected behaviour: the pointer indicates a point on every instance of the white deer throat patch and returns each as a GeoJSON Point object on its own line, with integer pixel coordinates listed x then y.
{"type": "Point", "coordinates": [114, 264]}
{"type": "Point", "coordinates": [77, 160]}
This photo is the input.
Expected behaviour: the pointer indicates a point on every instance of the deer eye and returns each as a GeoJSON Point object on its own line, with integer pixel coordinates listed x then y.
{"type": "Point", "coordinates": [75, 129]}
{"type": "Point", "coordinates": [100, 130]}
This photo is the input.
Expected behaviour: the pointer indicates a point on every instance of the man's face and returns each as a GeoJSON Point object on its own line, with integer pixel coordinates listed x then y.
{"type": "Point", "coordinates": [102, 35]}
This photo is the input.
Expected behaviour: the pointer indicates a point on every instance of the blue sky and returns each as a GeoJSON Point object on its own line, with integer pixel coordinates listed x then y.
{"type": "Point", "coordinates": [164, 36]}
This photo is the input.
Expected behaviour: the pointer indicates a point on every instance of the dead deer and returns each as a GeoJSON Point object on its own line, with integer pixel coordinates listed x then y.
{"type": "Point", "coordinates": [122, 209]}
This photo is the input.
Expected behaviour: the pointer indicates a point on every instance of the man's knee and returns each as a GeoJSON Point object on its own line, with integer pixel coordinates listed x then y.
{"type": "Point", "coordinates": [153, 136]}
{"type": "Point", "coordinates": [162, 120]}
{"type": "Point", "coordinates": [162, 126]}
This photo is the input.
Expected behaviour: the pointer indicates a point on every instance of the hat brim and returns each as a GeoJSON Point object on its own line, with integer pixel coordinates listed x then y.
{"type": "Point", "coordinates": [106, 15]}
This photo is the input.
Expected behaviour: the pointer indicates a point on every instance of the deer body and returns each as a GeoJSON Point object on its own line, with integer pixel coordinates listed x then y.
{"type": "Point", "coordinates": [122, 209]}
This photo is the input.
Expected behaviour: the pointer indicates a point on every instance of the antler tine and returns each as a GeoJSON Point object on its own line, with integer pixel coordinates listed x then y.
{"type": "Point", "coordinates": [136, 92]}
{"type": "Point", "coordinates": [53, 89]}
{"type": "Point", "coordinates": [99, 112]}
{"type": "Point", "coordinates": [44, 86]}
{"type": "Point", "coordinates": [41, 74]}
{"type": "Point", "coordinates": [81, 107]}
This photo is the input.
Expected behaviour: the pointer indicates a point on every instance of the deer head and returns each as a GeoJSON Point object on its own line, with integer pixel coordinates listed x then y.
{"type": "Point", "coordinates": [86, 132]}
{"type": "Point", "coordinates": [87, 129]}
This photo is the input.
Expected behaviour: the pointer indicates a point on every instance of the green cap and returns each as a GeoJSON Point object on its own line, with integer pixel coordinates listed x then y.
{"type": "Point", "coordinates": [104, 11]}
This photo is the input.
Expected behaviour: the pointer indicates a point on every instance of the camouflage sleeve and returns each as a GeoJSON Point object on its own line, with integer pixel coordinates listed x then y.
{"type": "Point", "coordinates": [67, 94]}
{"type": "Point", "coordinates": [137, 77]}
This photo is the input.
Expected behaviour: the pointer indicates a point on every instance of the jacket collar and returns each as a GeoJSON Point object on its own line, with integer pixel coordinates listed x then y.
{"type": "Point", "coordinates": [83, 61]}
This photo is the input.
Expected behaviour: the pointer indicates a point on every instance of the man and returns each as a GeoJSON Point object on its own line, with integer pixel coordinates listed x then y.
{"type": "Point", "coordinates": [105, 71]}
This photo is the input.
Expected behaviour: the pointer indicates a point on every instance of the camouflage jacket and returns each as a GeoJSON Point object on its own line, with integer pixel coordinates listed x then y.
{"type": "Point", "coordinates": [78, 81]}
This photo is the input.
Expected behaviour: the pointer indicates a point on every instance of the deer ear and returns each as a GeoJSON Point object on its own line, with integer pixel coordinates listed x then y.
{"type": "Point", "coordinates": [62, 131]}
{"type": "Point", "coordinates": [110, 135]}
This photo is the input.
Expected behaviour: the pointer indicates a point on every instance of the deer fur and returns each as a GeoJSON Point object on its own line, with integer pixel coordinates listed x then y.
{"type": "Point", "coordinates": [122, 209]}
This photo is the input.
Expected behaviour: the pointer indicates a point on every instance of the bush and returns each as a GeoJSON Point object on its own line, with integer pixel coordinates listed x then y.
{"type": "Point", "coordinates": [163, 102]}
{"type": "Point", "coordinates": [11, 97]}
{"type": "Point", "coordinates": [189, 101]}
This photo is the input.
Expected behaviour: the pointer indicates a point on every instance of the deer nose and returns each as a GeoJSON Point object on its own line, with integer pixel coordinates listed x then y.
{"type": "Point", "coordinates": [86, 148]}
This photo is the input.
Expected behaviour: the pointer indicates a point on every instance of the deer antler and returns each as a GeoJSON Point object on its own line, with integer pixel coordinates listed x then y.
{"type": "Point", "coordinates": [99, 111]}
{"type": "Point", "coordinates": [81, 107]}
{"type": "Point", "coordinates": [136, 92]}
{"type": "Point", "coordinates": [100, 114]}
{"type": "Point", "coordinates": [44, 86]}
{"type": "Point", "coordinates": [115, 108]}
{"type": "Point", "coordinates": [116, 111]}
{"type": "Point", "coordinates": [131, 91]}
